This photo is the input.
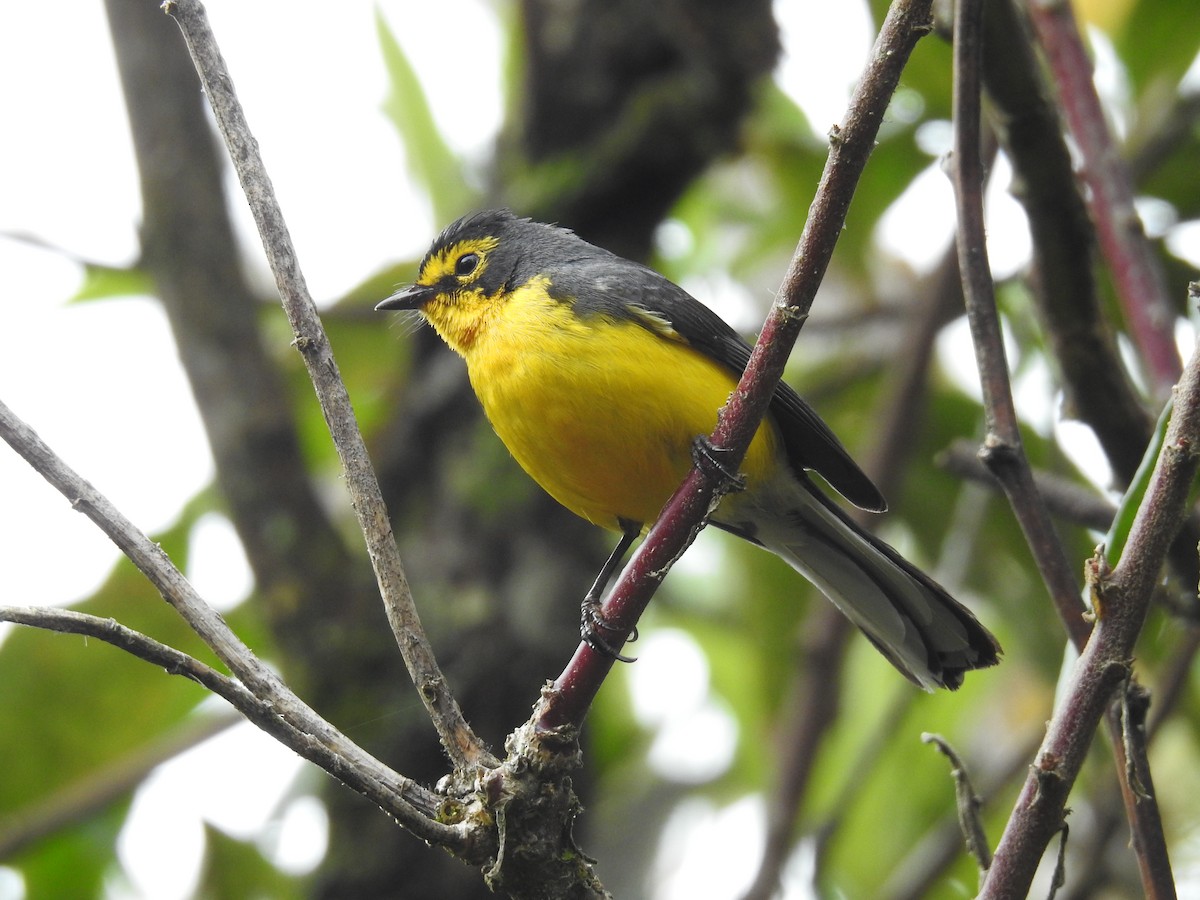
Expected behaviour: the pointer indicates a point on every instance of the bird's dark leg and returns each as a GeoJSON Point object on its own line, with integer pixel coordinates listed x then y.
{"type": "Point", "coordinates": [592, 620]}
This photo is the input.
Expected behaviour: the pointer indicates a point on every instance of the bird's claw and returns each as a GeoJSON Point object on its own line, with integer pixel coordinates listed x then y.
{"type": "Point", "coordinates": [713, 462]}
{"type": "Point", "coordinates": [592, 622]}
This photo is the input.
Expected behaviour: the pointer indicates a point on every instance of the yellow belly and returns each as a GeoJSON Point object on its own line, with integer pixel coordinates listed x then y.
{"type": "Point", "coordinates": [602, 416]}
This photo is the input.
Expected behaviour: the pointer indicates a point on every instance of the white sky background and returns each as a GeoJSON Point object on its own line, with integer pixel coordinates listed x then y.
{"type": "Point", "coordinates": [85, 377]}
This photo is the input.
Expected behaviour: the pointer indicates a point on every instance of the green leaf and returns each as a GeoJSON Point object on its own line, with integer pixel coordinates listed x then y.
{"type": "Point", "coordinates": [1131, 502]}
{"type": "Point", "coordinates": [82, 702]}
{"type": "Point", "coordinates": [74, 862]}
{"type": "Point", "coordinates": [1156, 40]}
{"type": "Point", "coordinates": [234, 868]}
{"type": "Point", "coordinates": [88, 707]}
{"type": "Point", "coordinates": [430, 160]}
{"type": "Point", "coordinates": [102, 282]}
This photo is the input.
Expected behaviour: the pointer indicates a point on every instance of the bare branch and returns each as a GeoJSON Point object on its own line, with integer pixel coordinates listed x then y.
{"type": "Point", "coordinates": [1097, 386]}
{"type": "Point", "coordinates": [1110, 809]}
{"type": "Point", "coordinates": [1064, 498]}
{"type": "Point", "coordinates": [463, 746]}
{"type": "Point", "coordinates": [275, 708]}
{"type": "Point", "coordinates": [918, 873]}
{"type": "Point", "coordinates": [1004, 455]}
{"type": "Point", "coordinates": [172, 661]}
{"type": "Point", "coordinates": [968, 803]}
{"type": "Point", "coordinates": [1003, 451]}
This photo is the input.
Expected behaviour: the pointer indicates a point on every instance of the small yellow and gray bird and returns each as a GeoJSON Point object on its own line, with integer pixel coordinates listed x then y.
{"type": "Point", "coordinates": [599, 374]}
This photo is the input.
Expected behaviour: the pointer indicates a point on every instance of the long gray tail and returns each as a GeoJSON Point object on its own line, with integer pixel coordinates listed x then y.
{"type": "Point", "coordinates": [923, 631]}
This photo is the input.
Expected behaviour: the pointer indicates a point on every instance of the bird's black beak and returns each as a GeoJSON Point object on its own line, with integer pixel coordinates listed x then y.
{"type": "Point", "coordinates": [410, 298]}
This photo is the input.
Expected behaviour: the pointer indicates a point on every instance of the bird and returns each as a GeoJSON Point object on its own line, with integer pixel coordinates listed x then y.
{"type": "Point", "coordinates": [599, 374]}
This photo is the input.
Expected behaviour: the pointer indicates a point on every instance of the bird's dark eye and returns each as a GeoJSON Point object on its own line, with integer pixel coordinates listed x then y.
{"type": "Point", "coordinates": [467, 263]}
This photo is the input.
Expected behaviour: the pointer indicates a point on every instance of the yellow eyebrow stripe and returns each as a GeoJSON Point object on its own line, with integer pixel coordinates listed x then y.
{"type": "Point", "coordinates": [441, 263]}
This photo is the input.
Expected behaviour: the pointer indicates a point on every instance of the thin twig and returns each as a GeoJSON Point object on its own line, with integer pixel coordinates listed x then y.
{"type": "Point", "coordinates": [1003, 451]}
{"type": "Point", "coordinates": [466, 750]}
{"type": "Point", "coordinates": [374, 781]}
{"type": "Point", "coordinates": [1137, 274]}
{"type": "Point", "coordinates": [917, 875]}
{"type": "Point", "coordinates": [1010, 465]}
{"type": "Point", "coordinates": [1064, 498]}
{"type": "Point", "coordinates": [1076, 504]}
{"type": "Point", "coordinates": [1097, 386]}
{"type": "Point", "coordinates": [276, 709]}
{"type": "Point", "coordinates": [851, 143]}
{"type": "Point", "coordinates": [1004, 455]}
{"type": "Point", "coordinates": [1109, 809]}
{"type": "Point", "coordinates": [1095, 379]}
{"type": "Point", "coordinates": [172, 661]}
{"type": "Point", "coordinates": [968, 803]}
{"type": "Point", "coordinates": [1126, 724]}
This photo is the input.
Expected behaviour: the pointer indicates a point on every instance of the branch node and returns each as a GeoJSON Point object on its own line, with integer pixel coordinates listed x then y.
{"type": "Point", "coordinates": [431, 688]}
{"type": "Point", "coordinates": [1096, 572]}
{"type": "Point", "coordinates": [998, 454]}
{"type": "Point", "coordinates": [533, 804]}
{"type": "Point", "coordinates": [1048, 777]}
{"type": "Point", "coordinates": [920, 29]}
{"type": "Point", "coordinates": [303, 343]}
{"type": "Point", "coordinates": [793, 313]}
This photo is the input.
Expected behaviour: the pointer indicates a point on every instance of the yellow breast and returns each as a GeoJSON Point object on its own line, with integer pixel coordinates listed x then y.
{"type": "Point", "coordinates": [600, 412]}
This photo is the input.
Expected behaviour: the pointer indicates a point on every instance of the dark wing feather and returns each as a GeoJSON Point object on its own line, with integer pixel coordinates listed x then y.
{"type": "Point", "coordinates": [610, 285]}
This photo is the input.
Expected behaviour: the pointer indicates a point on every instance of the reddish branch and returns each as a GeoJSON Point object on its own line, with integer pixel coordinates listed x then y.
{"type": "Point", "coordinates": [566, 704]}
{"type": "Point", "coordinates": [1136, 272]}
{"type": "Point", "coordinates": [1095, 381]}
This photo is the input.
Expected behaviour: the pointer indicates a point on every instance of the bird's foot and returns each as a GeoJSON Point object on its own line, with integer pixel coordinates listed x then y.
{"type": "Point", "coordinates": [713, 461]}
{"type": "Point", "coordinates": [592, 623]}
